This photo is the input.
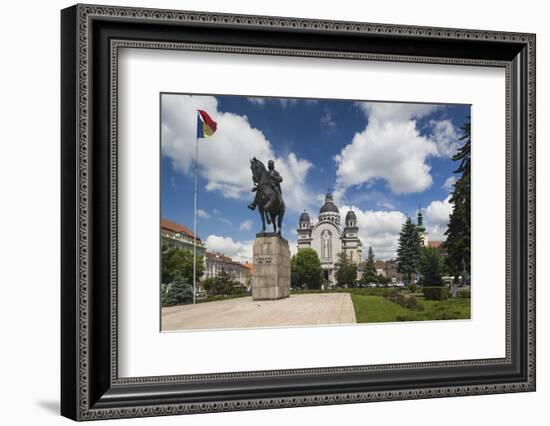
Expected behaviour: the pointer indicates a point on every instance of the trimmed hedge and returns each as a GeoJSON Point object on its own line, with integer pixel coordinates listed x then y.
{"type": "Point", "coordinates": [436, 293]}
{"type": "Point", "coordinates": [409, 302]}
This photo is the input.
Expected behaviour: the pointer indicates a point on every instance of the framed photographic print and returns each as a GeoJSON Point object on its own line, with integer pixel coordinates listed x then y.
{"type": "Point", "coordinates": [263, 212]}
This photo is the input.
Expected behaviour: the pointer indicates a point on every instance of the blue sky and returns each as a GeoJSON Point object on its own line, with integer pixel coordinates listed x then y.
{"type": "Point", "coordinates": [380, 159]}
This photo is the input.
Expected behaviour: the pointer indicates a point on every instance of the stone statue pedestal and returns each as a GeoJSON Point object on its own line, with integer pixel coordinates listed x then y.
{"type": "Point", "coordinates": [271, 259]}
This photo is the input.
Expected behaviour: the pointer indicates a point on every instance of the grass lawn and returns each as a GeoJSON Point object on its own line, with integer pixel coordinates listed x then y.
{"type": "Point", "coordinates": [378, 309]}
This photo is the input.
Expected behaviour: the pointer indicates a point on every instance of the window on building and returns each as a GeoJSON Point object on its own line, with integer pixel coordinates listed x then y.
{"type": "Point", "coordinates": [326, 244]}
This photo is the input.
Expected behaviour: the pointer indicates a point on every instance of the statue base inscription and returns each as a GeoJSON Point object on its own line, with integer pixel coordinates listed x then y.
{"type": "Point", "coordinates": [271, 259]}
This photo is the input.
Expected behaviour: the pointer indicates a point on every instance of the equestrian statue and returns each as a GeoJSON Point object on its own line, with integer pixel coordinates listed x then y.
{"type": "Point", "coordinates": [268, 198]}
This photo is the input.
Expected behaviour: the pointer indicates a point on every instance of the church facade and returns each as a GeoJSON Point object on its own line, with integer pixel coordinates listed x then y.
{"type": "Point", "coordinates": [328, 238]}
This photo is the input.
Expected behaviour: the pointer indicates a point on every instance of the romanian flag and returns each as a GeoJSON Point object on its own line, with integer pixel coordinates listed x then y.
{"type": "Point", "coordinates": [205, 125]}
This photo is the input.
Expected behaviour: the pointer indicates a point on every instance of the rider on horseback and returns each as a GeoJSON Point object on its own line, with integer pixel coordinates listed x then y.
{"type": "Point", "coordinates": [275, 180]}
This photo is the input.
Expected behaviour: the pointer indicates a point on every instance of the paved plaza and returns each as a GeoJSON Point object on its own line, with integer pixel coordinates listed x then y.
{"type": "Point", "coordinates": [296, 310]}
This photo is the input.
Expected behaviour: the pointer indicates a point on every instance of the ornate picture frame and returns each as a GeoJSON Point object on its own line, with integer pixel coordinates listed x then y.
{"type": "Point", "coordinates": [91, 37]}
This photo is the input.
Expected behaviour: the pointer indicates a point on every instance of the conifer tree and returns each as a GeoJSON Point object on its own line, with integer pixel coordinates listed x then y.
{"type": "Point", "coordinates": [178, 291]}
{"type": "Point", "coordinates": [408, 252]}
{"type": "Point", "coordinates": [370, 267]}
{"type": "Point", "coordinates": [369, 273]}
{"type": "Point", "coordinates": [458, 240]}
{"type": "Point", "coordinates": [430, 267]}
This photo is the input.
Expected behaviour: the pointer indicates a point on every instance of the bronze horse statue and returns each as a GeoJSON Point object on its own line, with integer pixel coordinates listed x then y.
{"type": "Point", "coordinates": [269, 199]}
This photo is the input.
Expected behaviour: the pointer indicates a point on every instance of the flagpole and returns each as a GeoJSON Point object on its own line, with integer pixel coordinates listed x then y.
{"type": "Point", "coordinates": [195, 222]}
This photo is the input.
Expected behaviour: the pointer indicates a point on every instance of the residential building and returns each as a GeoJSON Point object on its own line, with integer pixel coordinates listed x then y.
{"type": "Point", "coordinates": [176, 235]}
{"type": "Point", "coordinates": [215, 263]}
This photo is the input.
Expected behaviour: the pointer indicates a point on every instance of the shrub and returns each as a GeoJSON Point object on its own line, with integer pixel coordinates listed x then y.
{"type": "Point", "coordinates": [238, 290]}
{"type": "Point", "coordinates": [305, 270]}
{"type": "Point", "coordinates": [412, 303]}
{"type": "Point", "coordinates": [223, 284]}
{"type": "Point", "coordinates": [409, 302]}
{"type": "Point", "coordinates": [178, 292]}
{"type": "Point", "coordinates": [436, 293]}
{"type": "Point", "coordinates": [413, 288]}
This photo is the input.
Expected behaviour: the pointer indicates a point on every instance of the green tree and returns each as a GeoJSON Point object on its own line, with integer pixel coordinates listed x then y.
{"type": "Point", "coordinates": [408, 251]}
{"type": "Point", "coordinates": [430, 267]}
{"type": "Point", "coordinates": [305, 269]}
{"type": "Point", "coordinates": [383, 280]}
{"type": "Point", "coordinates": [178, 292]}
{"type": "Point", "coordinates": [223, 284]}
{"type": "Point", "coordinates": [346, 272]}
{"type": "Point", "coordinates": [370, 267]}
{"type": "Point", "coordinates": [294, 276]}
{"type": "Point", "coordinates": [369, 279]}
{"type": "Point", "coordinates": [369, 273]}
{"type": "Point", "coordinates": [177, 259]}
{"type": "Point", "coordinates": [458, 240]}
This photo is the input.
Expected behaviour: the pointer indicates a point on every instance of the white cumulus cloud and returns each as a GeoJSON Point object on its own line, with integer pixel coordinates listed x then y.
{"type": "Point", "coordinates": [449, 183]}
{"type": "Point", "coordinates": [390, 150]}
{"type": "Point", "coordinates": [224, 157]}
{"type": "Point", "coordinates": [395, 112]}
{"type": "Point", "coordinates": [238, 250]}
{"type": "Point", "coordinates": [437, 218]}
{"type": "Point", "coordinates": [379, 229]}
{"type": "Point", "coordinates": [445, 136]}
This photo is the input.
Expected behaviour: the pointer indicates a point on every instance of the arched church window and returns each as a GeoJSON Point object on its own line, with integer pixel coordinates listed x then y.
{"type": "Point", "coordinates": [326, 244]}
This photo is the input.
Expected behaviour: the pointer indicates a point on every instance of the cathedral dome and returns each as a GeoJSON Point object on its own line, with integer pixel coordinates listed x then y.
{"type": "Point", "coordinates": [304, 217]}
{"type": "Point", "coordinates": [329, 206]}
{"type": "Point", "coordinates": [351, 220]}
{"type": "Point", "coordinates": [350, 216]}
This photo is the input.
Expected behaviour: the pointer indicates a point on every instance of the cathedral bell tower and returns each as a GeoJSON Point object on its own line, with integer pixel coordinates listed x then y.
{"type": "Point", "coordinates": [421, 229]}
{"type": "Point", "coordinates": [351, 244]}
{"type": "Point", "coordinates": [304, 231]}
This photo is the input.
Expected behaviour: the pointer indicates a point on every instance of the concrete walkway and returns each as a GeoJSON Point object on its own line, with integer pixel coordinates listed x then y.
{"type": "Point", "coordinates": [296, 310]}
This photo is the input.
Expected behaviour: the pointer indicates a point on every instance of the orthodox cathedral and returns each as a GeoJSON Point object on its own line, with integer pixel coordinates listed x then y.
{"type": "Point", "coordinates": [328, 238]}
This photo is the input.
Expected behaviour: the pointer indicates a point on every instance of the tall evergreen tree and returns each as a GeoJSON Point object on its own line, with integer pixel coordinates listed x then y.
{"type": "Point", "coordinates": [370, 267]}
{"type": "Point", "coordinates": [408, 252]}
{"type": "Point", "coordinates": [369, 272]}
{"type": "Point", "coordinates": [430, 267]}
{"type": "Point", "coordinates": [458, 240]}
